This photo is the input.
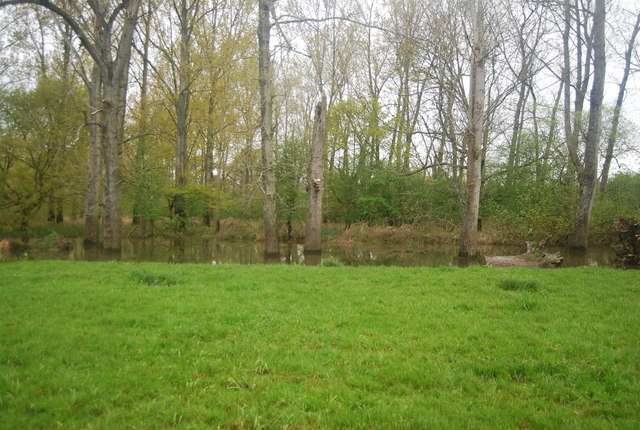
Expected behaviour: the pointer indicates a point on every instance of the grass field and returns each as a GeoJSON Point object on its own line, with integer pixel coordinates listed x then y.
{"type": "Point", "coordinates": [116, 346]}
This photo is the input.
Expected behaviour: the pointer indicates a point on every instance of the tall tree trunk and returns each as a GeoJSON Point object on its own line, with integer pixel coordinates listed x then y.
{"type": "Point", "coordinates": [551, 136]}
{"type": "Point", "coordinates": [611, 140]}
{"type": "Point", "coordinates": [589, 173]}
{"type": "Point", "coordinates": [56, 209]}
{"type": "Point", "coordinates": [114, 75]}
{"type": "Point", "coordinates": [584, 39]}
{"type": "Point", "coordinates": [266, 130]}
{"type": "Point", "coordinates": [474, 133]}
{"type": "Point", "coordinates": [111, 156]}
{"type": "Point", "coordinates": [94, 167]}
{"type": "Point", "coordinates": [514, 146]}
{"type": "Point", "coordinates": [208, 161]}
{"type": "Point", "coordinates": [315, 182]}
{"type": "Point", "coordinates": [186, 17]}
{"type": "Point", "coordinates": [141, 148]}
{"type": "Point", "coordinates": [566, 79]}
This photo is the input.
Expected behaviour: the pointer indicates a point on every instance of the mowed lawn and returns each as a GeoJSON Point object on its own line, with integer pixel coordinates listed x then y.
{"type": "Point", "coordinates": [118, 345]}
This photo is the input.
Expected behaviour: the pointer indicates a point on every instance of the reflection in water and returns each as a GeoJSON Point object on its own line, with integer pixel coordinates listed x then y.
{"type": "Point", "coordinates": [215, 252]}
{"type": "Point", "coordinates": [312, 258]}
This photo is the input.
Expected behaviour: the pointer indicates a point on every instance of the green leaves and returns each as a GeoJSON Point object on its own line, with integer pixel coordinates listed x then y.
{"type": "Point", "coordinates": [42, 136]}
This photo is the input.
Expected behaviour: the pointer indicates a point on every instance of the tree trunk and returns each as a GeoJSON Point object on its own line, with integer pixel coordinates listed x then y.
{"type": "Point", "coordinates": [266, 130]}
{"type": "Point", "coordinates": [114, 74]}
{"type": "Point", "coordinates": [112, 60]}
{"type": "Point", "coordinates": [474, 133]}
{"type": "Point", "coordinates": [94, 167]}
{"type": "Point", "coordinates": [525, 260]}
{"type": "Point", "coordinates": [566, 78]}
{"type": "Point", "coordinates": [141, 149]}
{"type": "Point", "coordinates": [589, 173]}
{"type": "Point", "coordinates": [111, 154]}
{"type": "Point", "coordinates": [208, 161]}
{"type": "Point", "coordinates": [584, 39]}
{"type": "Point", "coordinates": [182, 112]}
{"type": "Point", "coordinates": [313, 237]}
{"type": "Point", "coordinates": [616, 112]}
{"type": "Point", "coordinates": [516, 136]}
{"type": "Point", "coordinates": [534, 257]}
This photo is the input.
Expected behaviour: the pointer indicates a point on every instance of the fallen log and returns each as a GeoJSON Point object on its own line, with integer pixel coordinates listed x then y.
{"type": "Point", "coordinates": [525, 260]}
{"type": "Point", "coordinates": [532, 258]}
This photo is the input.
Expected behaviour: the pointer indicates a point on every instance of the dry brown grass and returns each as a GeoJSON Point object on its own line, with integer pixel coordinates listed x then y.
{"type": "Point", "coordinates": [391, 235]}
{"type": "Point", "coordinates": [236, 229]}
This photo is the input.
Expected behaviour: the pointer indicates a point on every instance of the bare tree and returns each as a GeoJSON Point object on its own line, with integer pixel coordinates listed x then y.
{"type": "Point", "coordinates": [474, 135]}
{"type": "Point", "coordinates": [576, 19]}
{"type": "Point", "coordinates": [613, 132]}
{"type": "Point", "coordinates": [187, 13]}
{"type": "Point", "coordinates": [265, 9]}
{"type": "Point", "coordinates": [588, 176]}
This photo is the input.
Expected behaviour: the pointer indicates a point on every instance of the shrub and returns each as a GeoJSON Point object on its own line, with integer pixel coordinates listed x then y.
{"type": "Point", "coordinates": [331, 262]}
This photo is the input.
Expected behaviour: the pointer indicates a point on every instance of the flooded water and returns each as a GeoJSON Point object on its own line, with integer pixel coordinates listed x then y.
{"type": "Point", "coordinates": [217, 252]}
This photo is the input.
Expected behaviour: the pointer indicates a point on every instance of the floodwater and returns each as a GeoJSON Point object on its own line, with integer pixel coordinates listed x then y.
{"type": "Point", "coordinates": [217, 252]}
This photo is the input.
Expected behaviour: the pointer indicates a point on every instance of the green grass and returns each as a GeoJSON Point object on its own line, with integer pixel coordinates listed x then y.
{"type": "Point", "coordinates": [116, 346]}
{"type": "Point", "coordinates": [511, 284]}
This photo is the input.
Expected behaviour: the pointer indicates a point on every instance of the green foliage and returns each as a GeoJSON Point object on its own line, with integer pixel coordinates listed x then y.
{"type": "Point", "coordinates": [344, 190]}
{"type": "Point", "coordinates": [196, 198]}
{"type": "Point", "coordinates": [523, 208]}
{"type": "Point", "coordinates": [331, 262]}
{"type": "Point", "coordinates": [86, 345]}
{"type": "Point", "coordinates": [385, 197]}
{"type": "Point", "coordinates": [329, 231]}
{"type": "Point", "coordinates": [145, 190]}
{"type": "Point", "coordinates": [621, 199]}
{"type": "Point", "coordinates": [243, 206]}
{"type": "Point", "coordinates": [291, 176]}
{"type": "Point", "coordinates": [441, 202]}
{"type": "Point", "coordinates": [42, 140]}
{"type": "Point", "coordinates": [49, 240]}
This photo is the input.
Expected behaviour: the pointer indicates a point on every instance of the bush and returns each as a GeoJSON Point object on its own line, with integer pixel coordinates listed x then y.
{"type": "Point", "coordinates": [621, 199]}
{"type": "Point", "coordinates": [331, 262]}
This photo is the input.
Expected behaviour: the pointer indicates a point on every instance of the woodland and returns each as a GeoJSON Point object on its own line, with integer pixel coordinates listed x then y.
{"type": "Point", "coordinates": [172, 116]}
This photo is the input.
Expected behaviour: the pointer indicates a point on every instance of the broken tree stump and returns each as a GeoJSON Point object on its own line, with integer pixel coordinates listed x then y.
{"type": "Point", "coordinates": [532, 258]}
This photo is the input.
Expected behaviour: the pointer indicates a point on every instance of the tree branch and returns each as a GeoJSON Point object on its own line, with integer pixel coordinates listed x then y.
{"type": "Point", "coordinates": [301, 20]}
{"type": "Point", "coordinates": [84, 39]}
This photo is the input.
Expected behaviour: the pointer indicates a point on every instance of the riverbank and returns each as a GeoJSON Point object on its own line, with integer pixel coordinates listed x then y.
{"type": "Point", "coordinates": [115, 345]}
{"type": "Point", "coordinates": [251, 230]}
